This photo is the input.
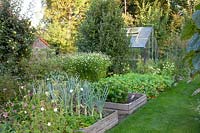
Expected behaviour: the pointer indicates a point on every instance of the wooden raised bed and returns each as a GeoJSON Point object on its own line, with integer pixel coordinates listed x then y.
{"type": "Point", "coordinates": [127, 108]}
{"type": "Point", "coordinates": [102, 125]}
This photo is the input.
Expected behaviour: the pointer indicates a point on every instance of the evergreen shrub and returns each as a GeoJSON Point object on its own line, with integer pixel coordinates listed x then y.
{"type": "Point", "coordinates": [103, 30]}
{"type": "Point", "coordinates": [16, 37]}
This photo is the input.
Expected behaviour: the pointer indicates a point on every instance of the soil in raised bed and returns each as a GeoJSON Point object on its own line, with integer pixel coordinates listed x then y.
{"type": "Point", "coordinates": [132, 97]}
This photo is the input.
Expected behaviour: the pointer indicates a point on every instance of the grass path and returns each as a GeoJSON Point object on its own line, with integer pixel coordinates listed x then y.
{"type": "Point", "coordinates": [172, 112]}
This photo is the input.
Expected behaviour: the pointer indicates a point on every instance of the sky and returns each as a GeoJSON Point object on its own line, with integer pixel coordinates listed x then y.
{"type": "Point", "coordinates": [36, 11]}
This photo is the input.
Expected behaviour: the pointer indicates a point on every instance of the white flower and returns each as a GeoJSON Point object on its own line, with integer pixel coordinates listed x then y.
{"type": "Point", "coordinates": [71, 91]}
{"type": "Point", "coordinates": [25, 112]}
{"type": "Point", "coordinates": [49, 124]}
{"type": "Point", "coordinates": [81, 89]}
{"type": "Point", "coordinates": [55, 109]}
{"type": "Point", "coordinates": [53, 101]}
{"type": "Point", "coordinates": [42, 109]}
{"type": "Point", "coordinates": [47, 93]}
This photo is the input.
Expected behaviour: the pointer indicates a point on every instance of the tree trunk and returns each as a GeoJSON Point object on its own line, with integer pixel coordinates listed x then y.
{"type": "Point", "coordinates": [125, 7]}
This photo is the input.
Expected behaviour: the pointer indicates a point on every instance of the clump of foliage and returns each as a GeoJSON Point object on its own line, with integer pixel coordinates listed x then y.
{"type": "Point", "coordinates": [192, 30]}
{"type": "Point", "coordinates": [103, 31]}
{"type": "Point", "coordinates": [16, 37]}
{"type": "Point", "coordinates": [120, 85]}
{"type": "Point", "coordinates": [61, 18]}
{"type": "Point", "coordinates": [153, 14]}
{"type": "Point", "coordinates": [91, 66]}
{"type": "Point", "coordinates": [161, 68]}
{"type": "Point", "coordinates": [88, 66]}
{"type": "Point", "coordinates": [128, 19]}
{"type": "Point", "coordinates": [9, 88]}
{"type": "Point", "coordinates": [57, 104]}
{"type": "Point", "coordinates": [40, 65]}
{"type": "Point", "coordinates": [177, 70]}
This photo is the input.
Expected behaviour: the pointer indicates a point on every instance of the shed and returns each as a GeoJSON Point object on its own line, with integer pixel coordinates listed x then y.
{"type": "Point", "coordinates": [40, 43]}
{"type": "Point", "coordinates": [40, 48]}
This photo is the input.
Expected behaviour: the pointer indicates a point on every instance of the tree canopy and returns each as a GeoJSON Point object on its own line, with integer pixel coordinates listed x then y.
{"type": "Point", "coordinates": [62, 18]}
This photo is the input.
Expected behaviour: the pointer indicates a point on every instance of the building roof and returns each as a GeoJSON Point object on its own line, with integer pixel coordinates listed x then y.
{"type": "Point", "coordinates": [40, 43]}
{"type": "Point", "coordinates": [139, 36]}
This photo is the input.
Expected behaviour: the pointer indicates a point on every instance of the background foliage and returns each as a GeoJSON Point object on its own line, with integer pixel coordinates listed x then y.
{"type": "Point", "coordinates": [61, 20]}
{"type": "Point", "coordinates": [167, 18]}
{"type": "Point", "coordinates": [192, 29]}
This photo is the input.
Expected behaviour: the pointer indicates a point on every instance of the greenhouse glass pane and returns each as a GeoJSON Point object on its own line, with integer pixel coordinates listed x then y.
{"type": "Point", "coordinates": [140, 43]}
{"type": "Point", "coordinates": [139, 36]}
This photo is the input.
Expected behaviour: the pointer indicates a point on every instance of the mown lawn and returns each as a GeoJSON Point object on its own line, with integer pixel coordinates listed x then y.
{"type": "Point", "coordinates": [174, 111]}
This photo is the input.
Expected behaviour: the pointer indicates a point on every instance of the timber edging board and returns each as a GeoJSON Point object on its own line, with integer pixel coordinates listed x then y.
{"type": "Point", "coordinates": [102, 125]}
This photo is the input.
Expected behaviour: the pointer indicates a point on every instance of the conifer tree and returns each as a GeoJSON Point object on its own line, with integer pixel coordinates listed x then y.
{"type": "Point", "coordinates": [103, 31]}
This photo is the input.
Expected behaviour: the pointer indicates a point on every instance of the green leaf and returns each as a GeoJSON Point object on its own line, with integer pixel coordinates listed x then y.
{"type": "Point", "coordinates": [197, 7]}
{"type": "Point", "coordinates": [188, 30]}
{"type": "Point", "coordinates": [194, 43]}
{"type": "Point", "coordinates": [196, 18]}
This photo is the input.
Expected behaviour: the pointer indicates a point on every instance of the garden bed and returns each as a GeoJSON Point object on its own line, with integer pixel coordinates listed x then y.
{"type": "Point", "coordinates": [133, 103]}
{"type": "Point", "coordinates": [104, 124]}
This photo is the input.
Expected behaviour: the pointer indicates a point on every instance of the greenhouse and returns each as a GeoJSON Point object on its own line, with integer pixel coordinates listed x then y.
{"type": "Point", "coordinates": [143, 43]}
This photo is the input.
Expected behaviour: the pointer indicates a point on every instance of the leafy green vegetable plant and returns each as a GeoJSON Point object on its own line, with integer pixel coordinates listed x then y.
{"type": "Point", "coordinates": [120, 85]}
{"type": "Point", "coordinates": [101, 97]}
{"type": "Point", "coordinates": [59, 103]}
{"type": "Point", "coordinates": [88, 98]}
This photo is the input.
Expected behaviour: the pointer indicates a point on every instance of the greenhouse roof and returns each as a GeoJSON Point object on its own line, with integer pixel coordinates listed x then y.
{"type": "Point", "coordinates": [139, 36]}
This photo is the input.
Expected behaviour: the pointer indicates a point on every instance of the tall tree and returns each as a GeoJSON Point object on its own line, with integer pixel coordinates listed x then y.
{"type": "Point", "coordinates": [62, 18]}
{"type": "Point", "coordinates": [103, 31]}
{"type": "Point", "coordinates": [16, 36]}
